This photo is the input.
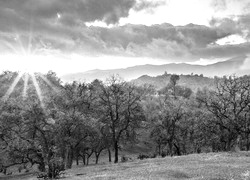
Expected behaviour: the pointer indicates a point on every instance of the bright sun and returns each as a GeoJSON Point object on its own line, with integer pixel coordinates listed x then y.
{"type": "Point", "coordinates": [28, 63]}
{"type": "Point", "coordinates": [29, 66]}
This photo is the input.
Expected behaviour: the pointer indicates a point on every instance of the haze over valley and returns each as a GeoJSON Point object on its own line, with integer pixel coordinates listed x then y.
{"type": "Point", "coordinates": [228, 67]}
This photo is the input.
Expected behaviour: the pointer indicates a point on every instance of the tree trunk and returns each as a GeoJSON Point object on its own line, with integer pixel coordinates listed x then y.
{"type": "Point", "coordinates": [110, 158]}
{"type": "Point", "coordinates": [69, 158]}
{"type": "Point", "coordinates": [41, 167]}
{"type": "Point", "coordinates": [77, 157]}
{"type": "Point", "coordinates": [88, 160]}
{"type": "Point", "coordinates": [170, 148]}
{"type": "Point", "coordinates": [77, 160]}
{"type": "Point", "coordinates": [84, 159]}
{"type": "Point", "coordinates": [178, 151]}
{"type": "Point", "coordinates": [97, 157]}
{"type": "Point", "coordinates": [229, 144]}
{"type": "Point", "coordinates": [116, 151]}
{"type": "Point", "coordinates": [159, 149]}
{"type": "Point", "coordinates": [184, 149]}
{"type": "Point", "coordinates": [247, 142]}
{"type": "Point", "coordinates": [89, 155]}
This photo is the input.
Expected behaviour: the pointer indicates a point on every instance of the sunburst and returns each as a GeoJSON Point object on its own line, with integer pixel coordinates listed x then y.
{"type": "Point", "coordinates": [27, 55]}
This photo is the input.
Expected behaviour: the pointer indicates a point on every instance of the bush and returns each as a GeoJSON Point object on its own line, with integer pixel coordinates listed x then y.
{"type": "Point", "coordinates": [143, 156]}
{"type": "Point", "coordinates": [56, 166]}
{"type": "Point", "coordinates": [124, 159]}
{"type": "Point", "coordinates": [153, 155]}
{"type": "Point", "coordinates": [163, 154]}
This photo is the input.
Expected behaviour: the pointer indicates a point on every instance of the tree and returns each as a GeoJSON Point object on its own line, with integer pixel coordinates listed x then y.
{"type": "Point", "coordinates": [229, 104]}
{"type": "Point", "coordinates": [166, 128]}
{"type": "Point", "coordinates": [75, 122]}
{"type": "Point", "coordinates": [120, 110]}
{"type": "Point", "coordinates": [173, 83]}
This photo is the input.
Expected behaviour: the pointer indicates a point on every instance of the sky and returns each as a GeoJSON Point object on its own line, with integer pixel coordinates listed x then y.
{"type": "Point", "coordinates": [79, 35]}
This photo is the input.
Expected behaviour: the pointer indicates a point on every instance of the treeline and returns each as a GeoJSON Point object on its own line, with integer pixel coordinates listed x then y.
{"type": "Point", "coordinates": [50, 124]}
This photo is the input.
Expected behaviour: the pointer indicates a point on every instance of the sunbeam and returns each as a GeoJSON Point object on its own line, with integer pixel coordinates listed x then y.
{"type": "Point", "coordinates": [30, 45]}
{"type": "Point", "coordinates": [30, 65]}
{"type": "Point", "coordinates": [12, 87]}
{"type": "Point", "coordinates": [11, 47]}
{"type": "Point", "coordinates": [38, 90]}
{"type": "Point", "coordinates": [26, 78]}
{"type": "Point", "coordinates": [48, 82]}
{"type": "Point", "coordinates": [21, 45]}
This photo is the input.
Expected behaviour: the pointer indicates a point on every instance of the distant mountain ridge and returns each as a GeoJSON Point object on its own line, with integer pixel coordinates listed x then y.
{"type": "Point", "coordinates": [193, 82]}
{"type": "Point", "coordinates": [231, 66]}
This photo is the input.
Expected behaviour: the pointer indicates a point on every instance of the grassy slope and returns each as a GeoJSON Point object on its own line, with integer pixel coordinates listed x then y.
{"type": "Point", "coordinates": [212, 166]}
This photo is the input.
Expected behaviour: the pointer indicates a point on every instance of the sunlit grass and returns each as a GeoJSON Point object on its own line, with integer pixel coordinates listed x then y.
{"type": "Point", "coordinates": [210, 166]}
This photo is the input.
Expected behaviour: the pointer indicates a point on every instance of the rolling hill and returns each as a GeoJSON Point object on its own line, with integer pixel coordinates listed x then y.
{"type": "Point", "coordinates": [231, 66]}
{"type": "Point", "coordinates": [194, 82]}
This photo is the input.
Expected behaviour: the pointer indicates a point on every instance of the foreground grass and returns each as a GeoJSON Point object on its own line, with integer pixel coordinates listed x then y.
{"type": "Point", "coordinates": [211, 166]}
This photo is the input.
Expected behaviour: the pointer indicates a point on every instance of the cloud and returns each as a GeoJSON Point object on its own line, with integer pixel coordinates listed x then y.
{"type": "Point", "coordinates": [88, 10]}
{"type": "Point", "coordinates": [226, 25]}
{"type": "Point", "coordinates": [58, 26]}
{"type": "Point", "coordinates": [239, 25]}
{"type": "Point", "coordinates": [246, 65]}
{"type": "Point", "coordinates": [163, 41]}
{"type": "Point", "coordinates": [219, 5]}
{"type": "Point", "coordinates": [161, 49]}
{"type": "Point", "coordinates": [231, 7]}
{"type": "Point", "coordinates": [225, 51]}
{"type": "Point", "coordinates": [147, 5]}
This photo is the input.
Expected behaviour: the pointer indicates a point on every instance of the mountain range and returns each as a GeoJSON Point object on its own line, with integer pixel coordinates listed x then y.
{"type": "Point", "coordinates": [231, 66]}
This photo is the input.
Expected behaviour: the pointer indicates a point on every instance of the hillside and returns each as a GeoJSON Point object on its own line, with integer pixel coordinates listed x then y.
{"type": "Point", "coordinates": [192, 81]}
{"type": "Point", "coordinates": [231, 66]}
{"type": "Point", "coordinates": [211, 166]}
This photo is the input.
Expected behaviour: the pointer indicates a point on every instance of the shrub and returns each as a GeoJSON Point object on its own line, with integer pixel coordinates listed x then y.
{"type": "Point", "coordinates": [124, 159]}
{"type": "Point", "coordinates": [143, 156]}
{"type": "Point", "coordinates": [56, 166]}
{"type": "Point", "coordinates": [163, 154]}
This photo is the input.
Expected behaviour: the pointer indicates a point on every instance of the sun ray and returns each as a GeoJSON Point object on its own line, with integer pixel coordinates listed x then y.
{"type": "Point", "coordinates": [21, 46]}
{"type": "Point", "coordinates": [8, 45]}
{"type": "Point", "coordinates": [38, 90]}
{"type": "Point", "coordinates": [30, 37]}
{"type": "Point", "coordinates": [48, 82]}
{"type": "Point", "coordinates": [12, 87]}
{"type": "Point", "coordinates": [26, 78]}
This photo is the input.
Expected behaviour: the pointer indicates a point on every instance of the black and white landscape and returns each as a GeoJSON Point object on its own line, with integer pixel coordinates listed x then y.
{"type": "Point", "coordinates": [125, 89]}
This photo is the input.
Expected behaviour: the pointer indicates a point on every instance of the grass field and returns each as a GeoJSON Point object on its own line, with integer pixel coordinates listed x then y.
{"type": "Point", "coordinates": [211, 166]}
